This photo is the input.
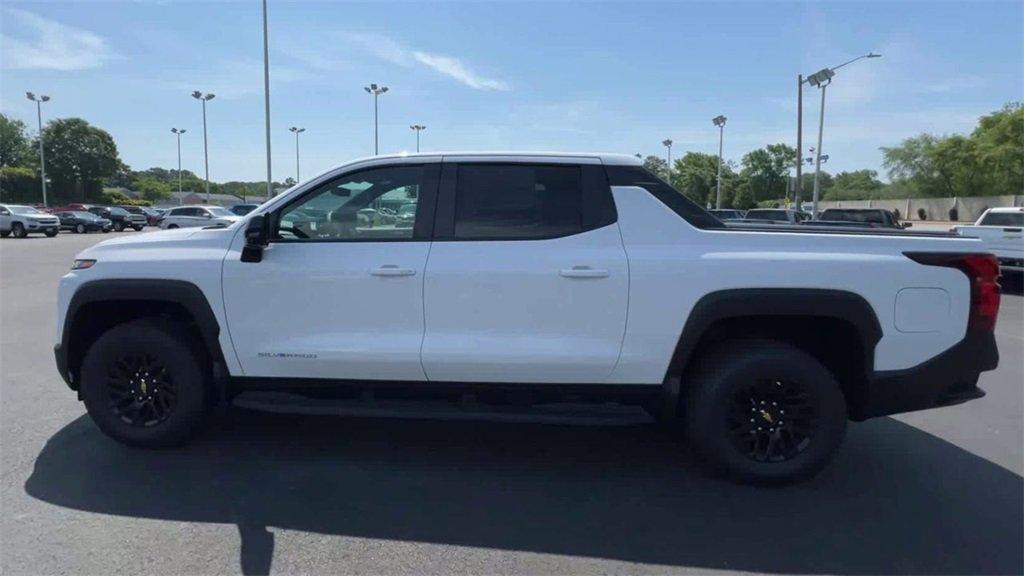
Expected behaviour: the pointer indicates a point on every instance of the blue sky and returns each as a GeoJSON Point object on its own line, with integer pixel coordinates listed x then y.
{"type": "Point", "coordinates": [612, 77]}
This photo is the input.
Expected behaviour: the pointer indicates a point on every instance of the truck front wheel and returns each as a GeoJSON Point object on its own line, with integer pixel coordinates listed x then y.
{"type": "Point", "coordinates": [764, 411]}
{"type": "Point", "coordinates": [144, 385]}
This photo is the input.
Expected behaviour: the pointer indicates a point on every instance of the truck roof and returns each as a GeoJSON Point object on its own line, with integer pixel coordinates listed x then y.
{"type": "Point", "coordinates": [604, 158]}
{"type": "Point", "coordinates": [1007, 209]}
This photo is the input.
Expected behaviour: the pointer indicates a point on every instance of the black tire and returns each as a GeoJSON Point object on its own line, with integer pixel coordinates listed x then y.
{"type": "Point", "coordinates": [735, 412]}
{"type": "Point", "coordinates": [50, 233]}
{"type": "Point", "coordinates": [118, 227]}
{"type": "Point", "coordinates": [174, 398]}
{"type": "Point", "coordinates": [80, 229]}
{"type": "Point", "coordinates": [137, 228]}
{"type": "Point", "coordinates": [171, 226]}
{"type": "Point", "coordinates": [106, 230]}
{"type": "Point", "coordinates": [18, 230]}
{"type": "Point", "coordinates": [5, 234]}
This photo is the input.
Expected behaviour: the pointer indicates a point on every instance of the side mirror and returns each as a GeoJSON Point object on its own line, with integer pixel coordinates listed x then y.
{"type": "Point", "coordinates": [907, 224]}
{"type": "Point", "coordinates": [257, 236]}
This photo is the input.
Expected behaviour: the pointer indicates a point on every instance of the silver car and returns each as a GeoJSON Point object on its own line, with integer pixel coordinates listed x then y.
{"type": "Point", "coordinates": [24, 220]}
{"type": "Point", "coordinates": [191, 216]}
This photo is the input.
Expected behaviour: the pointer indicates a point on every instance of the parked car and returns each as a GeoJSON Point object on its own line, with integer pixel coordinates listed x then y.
{"type": "Point", "coordinates": [21, 221]}
{"type": "Point", "coordinates": [120, 217]}
{"type": "Point", "coordinates": [189, 216]}
{"type": "Point", "coordinates": [727, 214]}
{"type": "Point", "coordinates": [152, 215]}
{"type": "Point", "coordinates": [406, 216]}
{"type": "Point", "coordinates": [82, 222]}
{"type": "Point", "coordinates": [1002, 232]}
{"type": "Point", "coordinates": [243, 209]}
{"type": "Point", "coordinates": [874, 217]}
{"type": "Point", "coordinates": [579, 278]}
{"type": "Point", "coordinates": [776, 216]}
{"type": "Point", "coordinates": [73, 207]}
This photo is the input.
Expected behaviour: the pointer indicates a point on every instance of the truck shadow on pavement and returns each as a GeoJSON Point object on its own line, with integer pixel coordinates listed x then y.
{"type": "Point", "coordinates": [896, 500]}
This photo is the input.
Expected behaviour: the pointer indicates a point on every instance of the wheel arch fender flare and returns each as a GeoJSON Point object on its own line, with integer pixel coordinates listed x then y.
{"type": "Point", "coordinates": [713, 307]}
{"type": "Point", "coordinates": [178, 292]}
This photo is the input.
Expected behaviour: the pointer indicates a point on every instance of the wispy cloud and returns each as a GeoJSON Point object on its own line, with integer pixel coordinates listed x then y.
{"type": "Point", "coordinates": [390, 50]}
{"type": "Point", "coordinates": [43, 44]}
{"type": "Point", "coordinates": [454, 68]}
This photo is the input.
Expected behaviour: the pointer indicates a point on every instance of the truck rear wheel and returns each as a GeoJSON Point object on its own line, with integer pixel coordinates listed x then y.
{"type": "Point", "coordinates": [764, 412]}
{"type": "Point", "coordinates": [144, 385]}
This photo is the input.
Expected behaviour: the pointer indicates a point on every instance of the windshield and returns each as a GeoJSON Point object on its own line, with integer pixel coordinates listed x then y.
{"type": "Point", "coordinates": [25, 210]}
{"type": "Point", "coordinates": [85, 215]}
{"type": "Point", "coordinates": [218, 211]}
{"type": "Point", "coordinates": [1003, 219]}
{"type": "Point", "coordinates": [777, 215]}
{"type": "Point", "coordinates": [869, 216]}
{"type": "Point", "coordinates": [118, 212]}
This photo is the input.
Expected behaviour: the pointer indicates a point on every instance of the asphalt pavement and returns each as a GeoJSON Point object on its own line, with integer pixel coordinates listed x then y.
{"type": "Point", "coordinates": [935, 492]}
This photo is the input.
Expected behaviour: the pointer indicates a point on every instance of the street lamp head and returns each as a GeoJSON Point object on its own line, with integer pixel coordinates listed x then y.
{"type": "Point", "coordinates": [209, 97]}
{"type": "Point", "coordinates": [375, 89]}
{"type": "Point", "coordinates": [417, 127]}
{"type": "Point", "coordinates": [667, 143]}
{"type": "Point", "coordinates": [197, 94]}
{"type": "Point", "coordinates": [44, 98]}
{"type": "Point", "coordinates": [821, 77]}
{"type": "Point", "coordinates": [719, 120]}
{"type": "Point", "coordinates": [873, 55]}
{"type": "Point", "coordinates": [383, 89]}
{"type": "Point", "coordinates": [30, 96]}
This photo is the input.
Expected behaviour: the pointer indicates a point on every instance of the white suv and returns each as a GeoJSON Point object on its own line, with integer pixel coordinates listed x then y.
{"type": "Point", "coordinates": [190, 216]}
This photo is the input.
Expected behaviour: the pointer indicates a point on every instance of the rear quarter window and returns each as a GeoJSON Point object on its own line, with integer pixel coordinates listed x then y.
{"type": "Point", "coordinates": [675, 200]}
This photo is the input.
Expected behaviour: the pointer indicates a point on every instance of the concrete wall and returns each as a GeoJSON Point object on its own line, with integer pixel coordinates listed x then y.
{"type": "Point", "coordinates": [968, 209]}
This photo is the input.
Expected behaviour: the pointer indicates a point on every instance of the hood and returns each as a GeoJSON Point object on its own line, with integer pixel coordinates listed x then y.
{"type": "Point", "coordinates": [160, 245]}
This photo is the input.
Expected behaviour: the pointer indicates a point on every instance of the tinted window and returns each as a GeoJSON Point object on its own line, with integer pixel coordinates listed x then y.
{"type": "Point", "coordinates": [355, 207]}
{"type": "Point", "coordinates": [669, 196]}
{"type": "Point", "coordinates": [1015, 219]}
{"type": "Point", "coordinates": [774, 215]}
{"type": "Point", "coordinates": [518, 201]}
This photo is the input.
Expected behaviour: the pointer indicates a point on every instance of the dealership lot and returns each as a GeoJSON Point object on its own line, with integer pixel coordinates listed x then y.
{"type": "Point", "coordinates": [932, 492]}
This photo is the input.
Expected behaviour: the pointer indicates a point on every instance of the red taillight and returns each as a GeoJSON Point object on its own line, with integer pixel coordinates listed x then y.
{"type": "Point", "coordinates": [982, 272]}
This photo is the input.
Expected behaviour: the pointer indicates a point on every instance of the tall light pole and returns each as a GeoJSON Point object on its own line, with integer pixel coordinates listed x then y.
{"type": "Point", "coordinates": [266, 100]}
{"type": "Point", "coordinates": [417, 128]}
{"type": "Point", "coordinates": [42, 156]}
{"type": "Point", "coordinates": [296, 131]}
{"type": "Point", "coordinates": [376, 91]}
{"type": "Point", "coordinates": [820, 79]}
{"type": "Point", "coordinates": [204, 98]}
{"type": "Point", "coordinates": [178, 132]}
{"type": "Point", "coordinates": [667, 143]}
{"type": "Point", "coordinates": [720, 122]}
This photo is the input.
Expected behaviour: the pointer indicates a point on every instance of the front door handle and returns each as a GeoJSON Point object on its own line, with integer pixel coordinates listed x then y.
{"type": "Point", "coordinates": [583, 272]}
{"type": "Point", "coordinates": [392, 270]}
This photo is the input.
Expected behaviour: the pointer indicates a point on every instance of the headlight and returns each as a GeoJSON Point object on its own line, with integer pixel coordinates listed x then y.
{"type": "Point", "coordinates": [82, 264]}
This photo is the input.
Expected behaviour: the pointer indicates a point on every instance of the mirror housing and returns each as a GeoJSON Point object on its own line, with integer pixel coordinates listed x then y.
{"type": "Point", "coordinates": [907, 224]}
{"type": "Point", "coordinates": [257, 237]}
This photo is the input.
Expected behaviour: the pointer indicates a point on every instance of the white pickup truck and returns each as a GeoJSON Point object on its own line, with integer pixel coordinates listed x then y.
{"type": "Point", "coordinates": [529, 282]}
{"type": "Point", "coordinates": [1002, 232]}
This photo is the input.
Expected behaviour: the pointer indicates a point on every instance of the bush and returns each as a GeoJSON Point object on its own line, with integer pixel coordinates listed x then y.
{"type": "Point", "coordinates": [118, 199]}
{"type": "Point", "coordinates": [954, 215]}
{"type": "Point", "coordinates": [922, 214]}
{"type": "Point", "coordinates": [896, 213]}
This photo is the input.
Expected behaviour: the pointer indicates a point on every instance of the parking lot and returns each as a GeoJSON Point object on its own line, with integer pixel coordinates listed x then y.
{"type": "Point", "coordinates": [935, 492]}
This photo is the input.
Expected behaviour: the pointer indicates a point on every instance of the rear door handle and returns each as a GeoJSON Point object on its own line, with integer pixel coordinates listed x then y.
{"type": "Point", "coordinates": [583, 272]}
{"type": "Point", "coordinates": [392, 270]}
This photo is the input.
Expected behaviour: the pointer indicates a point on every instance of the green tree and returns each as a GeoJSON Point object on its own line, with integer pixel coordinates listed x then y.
{"type": "Point", "coordinates": [766, 171]}
{"type": "Point", "coordinates": [695, 175]}
{"type": "Point", "coordinates": [79, 157]}
{"type": "Point", "coordinates": [854, 185]}
{"type": "Point", "coordinates": [1000, 149]}
{"type": "Point", "coordinates": [15, 149]}
{"type": "Point", "coordinates": [153, 189]}
{"type": "Point", "coordinates": [657, 165]}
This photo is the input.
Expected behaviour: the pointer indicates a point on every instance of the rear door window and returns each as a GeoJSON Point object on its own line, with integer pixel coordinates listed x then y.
{"type": "Point", "coordinates": [518, 201]}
